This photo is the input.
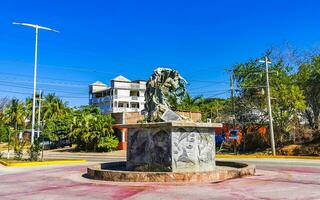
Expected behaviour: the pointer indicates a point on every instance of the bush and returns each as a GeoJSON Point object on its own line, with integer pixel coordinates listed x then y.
{"type": "Point", "coordinates": [34, 151]}
{"type": "Point", "coordinates": [255, 141]}
{"type": "Point", "coordinates": [18, 154]}
{"type": "Point", "coordinates": [4, 132]}
{"type": "Point", "coordinates": [108, 143]}
{"type": "Point", "coordinates": [18, 150]}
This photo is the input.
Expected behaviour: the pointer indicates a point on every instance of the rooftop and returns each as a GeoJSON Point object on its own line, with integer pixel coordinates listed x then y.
{"type": "Point", "coordinates": [121, 78]}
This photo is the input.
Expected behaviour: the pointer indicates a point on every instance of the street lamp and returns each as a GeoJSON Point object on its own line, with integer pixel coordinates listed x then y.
{"type": "Point", "coordinates": [37, 27]}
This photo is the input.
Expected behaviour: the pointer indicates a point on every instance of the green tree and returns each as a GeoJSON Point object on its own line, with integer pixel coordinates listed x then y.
{"type": "Point", "coordinates": [53, 106]}
{"type": "Point", "coordinates": [4, 129]}
{"type": "Point", "coordinates": [288, 99]}
{"type": "Point", "coordinates": [216, 109]}
{"type": "Point", "coordinates": [14, 114]}
{"type": "Point", "coordinates": [14, 117]}
{"type": "Point", "coordinates": [189, 103]}
{"type": "Point", "coordinates": [89, 129]}
{"type": "Point", "coordinates": [58, 128]}
{"type": "Point", "coordinates": [308, 78]}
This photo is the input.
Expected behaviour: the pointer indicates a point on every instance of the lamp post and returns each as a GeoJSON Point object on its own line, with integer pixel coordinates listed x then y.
{"type": "Point", "coordinates": [36, 27]}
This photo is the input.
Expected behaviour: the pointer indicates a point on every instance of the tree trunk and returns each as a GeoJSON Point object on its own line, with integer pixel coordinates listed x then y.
{"type": "Point", "coordinates": [316, 120]}
{"type": "Point", "coordinates": [95, 147]}
{"type": "Point", "coordinates": [310, 118]}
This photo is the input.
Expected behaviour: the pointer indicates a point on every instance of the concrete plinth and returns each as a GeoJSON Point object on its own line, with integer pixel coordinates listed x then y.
{"type": "Point", "coordinates": [171, 147]}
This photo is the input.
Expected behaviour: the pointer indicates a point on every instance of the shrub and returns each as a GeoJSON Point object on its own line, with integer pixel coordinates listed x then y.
{"type": "Point", "coordinates": [256, 141]}
{"type": "Point", "coordinates": [34, 151]}
{"type": "Point", "coordinates": [18, 149]}
{"type": "Point", "coordinates": [108, 143]}
{"type": "Point", "coordinates": [4, 132]}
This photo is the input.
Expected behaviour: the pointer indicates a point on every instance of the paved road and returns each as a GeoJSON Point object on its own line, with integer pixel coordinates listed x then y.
{"type": "Point", "coordinates": [120, 155]}
{"type": "Point", "coordinates": [275, 179]}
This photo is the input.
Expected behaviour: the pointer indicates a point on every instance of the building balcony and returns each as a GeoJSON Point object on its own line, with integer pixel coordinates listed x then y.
{"type": "Point", "coordinates": [129, 86]}
{"type": "Point", "coordinates": [117, 110]}
{"type": "Point", "coordinates": [100, 99]}
{"type": "Point", "coordinates": [126, 98]}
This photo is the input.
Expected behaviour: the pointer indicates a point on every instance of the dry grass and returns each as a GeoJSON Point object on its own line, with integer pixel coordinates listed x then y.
{"type": "Point", "coordinates": [3, 146]}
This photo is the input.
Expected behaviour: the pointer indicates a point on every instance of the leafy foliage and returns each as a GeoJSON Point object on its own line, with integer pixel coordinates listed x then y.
{"type": "Point", "coordinates": [288, 99]}
{"type": "Point", "coordinates": [18, 149]}
{"type": "Point", "coordinates": [14, 114]}
{"type": "Point", "coordinates": [86, 126]}
{"type": "Point", "coordinates": [308, 78]}
{"type": "Point", "coordinates": [108, 143]}
{"type": "Point", "coordinates": [58, 128]}
{"type": "Point", "coordinates": [89, 128]}
{"type": "Point", "coordinates": [34, 151]}
{"type": "Point", "coordinates": [211, 108]}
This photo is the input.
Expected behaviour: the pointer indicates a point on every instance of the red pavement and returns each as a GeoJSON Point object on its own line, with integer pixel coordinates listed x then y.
{"type": "Point", "coordinates": [66, 182]}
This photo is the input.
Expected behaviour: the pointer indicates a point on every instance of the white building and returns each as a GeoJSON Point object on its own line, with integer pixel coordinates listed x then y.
{"type": "Point", "coordinates": [122, 96]}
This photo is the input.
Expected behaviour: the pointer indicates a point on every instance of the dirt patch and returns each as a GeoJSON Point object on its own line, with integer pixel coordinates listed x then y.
{"type": "Point", "coordinates": [301, 150]}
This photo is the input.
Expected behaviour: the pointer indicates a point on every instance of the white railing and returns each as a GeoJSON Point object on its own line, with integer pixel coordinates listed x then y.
{"type": "Point", "coordinates": [100, 99]}
{"type": "Point", "coordinates": [134, 86]}
{"type": "Point", "coordinates": [125, 109]}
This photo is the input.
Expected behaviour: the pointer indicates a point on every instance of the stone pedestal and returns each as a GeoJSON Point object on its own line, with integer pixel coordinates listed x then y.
{"type": "Point", "coordinates": [171, 146]}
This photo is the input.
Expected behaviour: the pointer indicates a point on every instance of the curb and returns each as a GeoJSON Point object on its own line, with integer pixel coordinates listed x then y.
{"type": "Point", "coordinates": [38, 163]}
{"type": "Point", "coordinates": [268, 156]}
{"type": "Point", "coordinates": [4, 163]}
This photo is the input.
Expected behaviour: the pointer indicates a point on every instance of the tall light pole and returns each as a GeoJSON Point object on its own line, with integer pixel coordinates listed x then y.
{"type": "Point", "coordinates": [37, 27]}
{"type": "Point", "coordinates": [267, 62]}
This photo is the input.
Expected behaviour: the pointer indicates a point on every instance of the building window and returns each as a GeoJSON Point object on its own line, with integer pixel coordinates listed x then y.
{"type": "Point", "coordinates": [134, 93]}
{"type": "Point", "coordinates": [123, 105]}
{"type": "Point", "coordinates": [134, 105]}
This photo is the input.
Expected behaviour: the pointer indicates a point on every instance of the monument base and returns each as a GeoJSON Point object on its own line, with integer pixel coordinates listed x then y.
{"type": "Point", "coordinates": [171, 147]}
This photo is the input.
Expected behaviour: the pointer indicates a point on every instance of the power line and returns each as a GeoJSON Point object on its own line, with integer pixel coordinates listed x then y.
{"type": "Point", "coordinates": [209, 81]}
{"type": "Point", "coordinates": [217, 94]}
{"type": "Point", "coordinates": [47, 83]}
{"type": "Point", "coordinates": [212, 91]}
{"type": "Point", "coordinates": [44, 89]}
{"type": "Point", "coordinates": [42, 77]}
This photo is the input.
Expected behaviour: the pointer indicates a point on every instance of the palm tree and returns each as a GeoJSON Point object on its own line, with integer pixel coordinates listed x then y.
{"type": "Point", "coordinates": [28, 103]}
{"type": "Point", "coordinates": [15, 114]}
{"type": "Point", "coordinates": [88, 129]}
{"type": "Point", "coordinates": [190, 103]}
{"type": "Point", "coordinates": [53, 106]}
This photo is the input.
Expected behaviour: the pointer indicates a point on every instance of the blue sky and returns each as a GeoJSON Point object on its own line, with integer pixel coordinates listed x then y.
{"type": "Point", "coordinates": [101, 39]}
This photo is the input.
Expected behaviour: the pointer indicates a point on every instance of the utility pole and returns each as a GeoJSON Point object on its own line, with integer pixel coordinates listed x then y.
{"type": "Point", "coordinates": [9, 138]}
{"type": "Point", "coordinates": [232, 99]}
{"type": "Point", "coordinates": [266, 61]}
{"type": "Point", "coordinates": [36, 27]}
